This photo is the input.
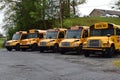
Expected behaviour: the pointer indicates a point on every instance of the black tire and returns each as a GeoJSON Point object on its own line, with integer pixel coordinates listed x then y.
{"type": "Point", "coordinates": [79, 50]}
{"type": "Point", "coordinates": [41, 50]}
{"type": "Point", "coordinates": [55, 48]}
{"type": "Point", "coordinates": [23, 49]}
{"type": "Point", "coordinates": [110, 52]}
{"type": "Point", "coordinates": [17, 47]}
{"type": "Point", "coordinates": [33, 47]}
{"type": "Point", "coordinates": [86, 54]}
{"type": "Point", "coordinates": [9, 49]}
{"type": "Point", "coordinates": [62, 51]}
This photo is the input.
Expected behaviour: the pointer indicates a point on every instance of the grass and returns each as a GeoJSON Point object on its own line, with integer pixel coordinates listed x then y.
{"type": "Point", "coordinates": [87, 21]}
{"type": "Point", "coordinates": [116, 63]}
{"type": "Point", "coordinates": [1, 42]}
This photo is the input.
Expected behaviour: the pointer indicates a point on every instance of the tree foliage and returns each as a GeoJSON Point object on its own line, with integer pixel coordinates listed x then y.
{"type": "Point", "coordinates": [118, 4]}
{"type": "Point", "coordinates": [27, 14]}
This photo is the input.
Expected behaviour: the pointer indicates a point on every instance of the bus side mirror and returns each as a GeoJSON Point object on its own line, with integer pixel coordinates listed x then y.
{"type": "Point", "coordinates": [108, 35]}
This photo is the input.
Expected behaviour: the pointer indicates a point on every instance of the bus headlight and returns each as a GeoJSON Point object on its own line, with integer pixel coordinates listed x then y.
{"type": "Point", "coordinates": [28, 42]}
{"type": "Point", "coordinates": [85, 44]}
{"type": "Point", "coordinates": [20, 43]}
{"type": "Point", "coordinates": [7, 44]}
{"type": "Point", "coordinates": [105, 44]}
{"type": "Point", "coordinates": [51, 43]}
{"type": "Point", "coordinates": [76, 44]}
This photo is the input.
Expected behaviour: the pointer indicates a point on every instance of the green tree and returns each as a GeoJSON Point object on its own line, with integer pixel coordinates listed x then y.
{"type": "Point", "coordinates": [27, 14]}
{"type": "Point", "coordinates": [118, 4]}
{"type": "Point", "coordinates": [18, 15]}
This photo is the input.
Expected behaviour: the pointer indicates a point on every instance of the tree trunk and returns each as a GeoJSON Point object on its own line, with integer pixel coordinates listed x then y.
{"type": "Point", "coordinates": [60, 13]}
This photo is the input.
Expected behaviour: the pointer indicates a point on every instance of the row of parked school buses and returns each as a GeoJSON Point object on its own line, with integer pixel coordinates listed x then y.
{"type": "Point", "coordinates": [102, 36]}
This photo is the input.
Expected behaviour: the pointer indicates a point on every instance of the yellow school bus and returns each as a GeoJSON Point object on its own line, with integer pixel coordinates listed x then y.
{"type": "Point", "coordinates": [15, 42]}
{"type": "Point", "coordinates": [52, 40]}
{"type": "Point", "coordinates": [33, 37]}
{"type": "Point", "coordinates": [104, 37]}
{"type": "Point", "coordinates": [74, 38]}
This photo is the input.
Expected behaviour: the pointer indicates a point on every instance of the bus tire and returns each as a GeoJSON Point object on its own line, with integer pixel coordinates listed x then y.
{"type": "Point", "coordinates": [86, 54]}
{"type": "Point", "coordinates": [33, 47]}
{"type": "Point", "coordinates": [110, 52]}
{"type": "Point", "coordinates": [79, 50]}
{"type": "Point", "coordinates": [23, 49]}
{"type": "Point", "coordinates": [17, 47]}
{"type": "Point", "coordinates": [41, 51]}
{"type": "Point", "coordinates": [55, 48]}
{"type": "Point", "coordinates": [62, 52]}
{"type": "Point", "coordinates": [9, 49]}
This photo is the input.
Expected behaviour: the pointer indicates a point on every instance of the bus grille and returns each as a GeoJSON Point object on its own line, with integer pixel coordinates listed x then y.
{"type": "Point", "coordinates": [94, 43]}
{"type": "Point", "coordinates": [66, 44]}
{"type": "Point", "coordinates": [42, 43]}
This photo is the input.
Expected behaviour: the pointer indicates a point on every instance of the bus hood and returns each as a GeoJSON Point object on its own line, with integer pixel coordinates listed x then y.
{"type": "Point", "coordinates": [70, 40]}
{"type": "Point", "coordinates": [104, 38]}
{"type": "Point", "coordinates": [47, 40]}
{"type": "Point", "coordinates": [11, 41]}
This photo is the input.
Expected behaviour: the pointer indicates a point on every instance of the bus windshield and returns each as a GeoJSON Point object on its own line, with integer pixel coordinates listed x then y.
{"type": "Point", "coordinates": [73, 33]}
{"type": "Point", "coordinates": [32, 35]}
{"type": "Point", "coordinates": [51, 34]}
{"type": "Point", "coordinates": [16, 37]}
{"type": "Point", "coordinates": [101, 32]}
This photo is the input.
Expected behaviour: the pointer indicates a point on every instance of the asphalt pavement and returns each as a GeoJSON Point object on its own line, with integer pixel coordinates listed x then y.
{"type": "Point", "coordinates": [19, 65]}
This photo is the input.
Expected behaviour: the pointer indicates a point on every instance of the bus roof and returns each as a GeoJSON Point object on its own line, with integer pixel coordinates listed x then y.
{"type": "Point", "coordinates": [37, 30]}
{"type": "Point", "coordinates": [57, 29]}
{"type": "Point", "coordinates": [104, 25]}
{"type": "Point", "coordinates": [79, 27]}
{"type": "Point", "coordinates": [23, 32]}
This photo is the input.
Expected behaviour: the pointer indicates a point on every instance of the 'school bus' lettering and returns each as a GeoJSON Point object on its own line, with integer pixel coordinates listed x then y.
{"type": "Point", "coordinates": [101, 26]}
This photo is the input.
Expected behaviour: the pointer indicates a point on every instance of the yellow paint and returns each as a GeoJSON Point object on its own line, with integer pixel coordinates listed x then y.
{"type": "Point", "coordinates": [101, 26]}
{"type": "Point", "coordinates": [52, 42]}
{"type": "Point", "coordinates": [75, 42]}
{"type": "Point", "coordinates": [103, 42]}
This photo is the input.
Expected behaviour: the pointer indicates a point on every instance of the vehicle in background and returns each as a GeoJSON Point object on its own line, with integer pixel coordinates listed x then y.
{"type": "Point", "coordinates": [74, 38]}
{"type": "Point", "coordinates": [33, 37]}
{"type": "Point", "coordinates": [52, 40]}
{"type": "Point", "coordinates": [15, 42]}
{"type": "Point", "coordinates": [104, 37]}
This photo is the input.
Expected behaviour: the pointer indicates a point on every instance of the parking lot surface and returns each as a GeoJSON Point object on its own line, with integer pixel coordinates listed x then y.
{"type": "Point", "coordinates": [18, 65]}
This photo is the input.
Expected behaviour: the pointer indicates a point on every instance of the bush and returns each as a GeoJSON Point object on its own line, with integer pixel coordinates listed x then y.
{"type": "Point", "coordinates": [2, 42]}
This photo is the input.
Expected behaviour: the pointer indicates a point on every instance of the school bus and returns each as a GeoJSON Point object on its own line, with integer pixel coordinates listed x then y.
{"type": "Point", "coordinates": [33, 37]}
{"type": "Point", "coordinates": [15, 42]}
{"type": "Point", "coordinates": [52, 40]}
{"type": "Point", "coordinates": [104, 37]}
{"type": "Point", "coordinates": [74, 38]}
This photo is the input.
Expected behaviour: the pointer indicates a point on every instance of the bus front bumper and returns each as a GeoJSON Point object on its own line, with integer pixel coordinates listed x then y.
{"type": "Point", "coordinates": [45, 47]}
{"type": "Point", "coordinates": [68, 49]}
{"type": "Point", "coordinates": [95, 49]}
{"type": "Point", "coordinates": [25, 46]}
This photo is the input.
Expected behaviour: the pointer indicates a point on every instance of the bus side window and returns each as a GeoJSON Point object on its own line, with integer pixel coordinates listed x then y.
{"type": "Point", "coordinates": [85, 34]}
{"type": "Point", "coordinates": [40, 35]}
{"type": "Point", "coordinates": [24, 36]}
{"type": "Point", "coordinates": [61, 35]}
{"type": "Point", "coordinates": [117, 31]}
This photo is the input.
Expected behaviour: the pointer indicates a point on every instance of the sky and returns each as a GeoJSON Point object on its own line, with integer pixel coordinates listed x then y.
{"type": "Point", "coordinates": [1, 21]}
{"type": "Point", "coordinates": [83, 9]}
{"type": "Point", "coordinates": [87, 7]}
